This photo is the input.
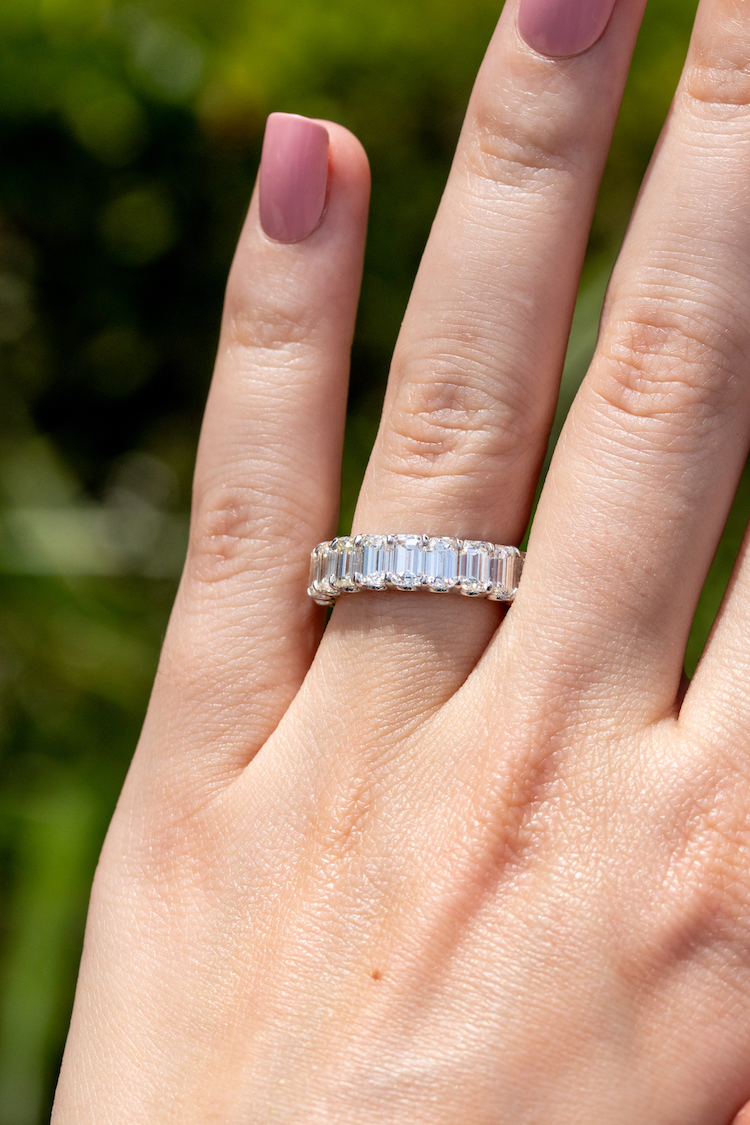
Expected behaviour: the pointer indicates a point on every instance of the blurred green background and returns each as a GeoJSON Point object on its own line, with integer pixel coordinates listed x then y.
{"type": "Point", "coordinates": [129, 141]}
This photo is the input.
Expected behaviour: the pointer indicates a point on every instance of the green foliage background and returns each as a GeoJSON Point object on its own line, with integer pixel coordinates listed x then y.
{"type": "Point", "coordinates": [129, 140]}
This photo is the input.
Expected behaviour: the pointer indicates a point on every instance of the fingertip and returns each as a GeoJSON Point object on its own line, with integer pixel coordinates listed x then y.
{"type": "Point", "coordinates": [563, 28]}
{"type": "Point", "coordinates": [349, 167]}
{"type": "Point", "coordinates": [313, 174]}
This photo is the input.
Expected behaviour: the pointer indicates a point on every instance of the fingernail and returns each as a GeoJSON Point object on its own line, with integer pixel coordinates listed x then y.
{"type": "Point", "coordinates": [293, 176]}
{"type": "Point", "coordinates": [563, 27]}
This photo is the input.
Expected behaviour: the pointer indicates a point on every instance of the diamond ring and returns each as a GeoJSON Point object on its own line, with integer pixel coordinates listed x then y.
{"type": "Point", "coordinates": [440, 564]}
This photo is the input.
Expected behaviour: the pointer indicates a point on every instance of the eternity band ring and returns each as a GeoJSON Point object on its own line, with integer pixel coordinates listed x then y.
{"type": "Point", "coordinates": [352, 563]}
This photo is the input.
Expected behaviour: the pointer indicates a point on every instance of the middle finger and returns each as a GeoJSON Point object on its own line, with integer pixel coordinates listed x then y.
{"type": "Point", "coordinates": [474, 381]}
{"type": "Point", "coordinates": [475, 375]}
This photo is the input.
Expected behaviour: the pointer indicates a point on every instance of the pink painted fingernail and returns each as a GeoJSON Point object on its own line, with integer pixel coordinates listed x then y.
{"type": "Point", "coordinates": [293, 176]}
{"type": "Point", "coordinates": [563, 27]}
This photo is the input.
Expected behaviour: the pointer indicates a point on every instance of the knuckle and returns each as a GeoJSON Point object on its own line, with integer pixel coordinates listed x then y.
{"type": "Point", "coordinates": [221, 531]}
{"type": "Point", "coordinates": [448, 421]}
{"type": "Point", "coordinates": [719, 78]}
{"type": "Point", "coordinates": [536, 147]}
{"type": "Point", "coordinates": [268, 329]}
{"type": "Point", "coordinates": [666, 362]}
{"type": "Point", "coordinates": [509, 152]}
{"type": "Point", "coordinates": [266, 318]}
{"type": "Point", "coordinates": [233, 535]}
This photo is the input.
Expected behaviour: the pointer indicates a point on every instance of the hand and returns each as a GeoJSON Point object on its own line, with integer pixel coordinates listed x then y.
{"type": "Point", "coordinates": [439, 867]}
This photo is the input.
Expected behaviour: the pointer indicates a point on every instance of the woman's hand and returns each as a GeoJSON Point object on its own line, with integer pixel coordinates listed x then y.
{"type": "Point", "coordinates": [467, 871]}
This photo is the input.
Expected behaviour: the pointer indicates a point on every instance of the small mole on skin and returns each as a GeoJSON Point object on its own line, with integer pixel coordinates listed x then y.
{"type": "Point", "coordinates": [376, 974]}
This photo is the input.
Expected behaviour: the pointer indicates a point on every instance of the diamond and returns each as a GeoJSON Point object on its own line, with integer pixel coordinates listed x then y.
{"type": "Point", "coordinates": [322, 563]}
{"type": "Point", "coordinates": [407, 566]}
{"type": "Point", "coordinates": [441, 565]}
{"type": "Point", "coordinates": [514, 572]}
{"type": "Point", "coordinates": [474, 568]}
{"type": "Point", "coordinates": [345, 564]}
{"type": "Point", "coordinates": [374, 561]}
{"type": "Point", "coordinates": [505, 572]}
{"type": "Point", "coordinates": [407, 562]}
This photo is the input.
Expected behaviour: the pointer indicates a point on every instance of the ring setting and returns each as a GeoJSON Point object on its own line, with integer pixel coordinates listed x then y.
{"type": "Point", "coordinates": [439, 564]}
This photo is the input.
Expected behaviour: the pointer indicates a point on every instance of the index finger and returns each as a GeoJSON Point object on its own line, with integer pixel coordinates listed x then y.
{"type": "Point", "coordinates": [243, 630]}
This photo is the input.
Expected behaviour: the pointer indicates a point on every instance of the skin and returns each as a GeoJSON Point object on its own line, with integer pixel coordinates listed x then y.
{"type": "Point", "coordinates": [441, 867]}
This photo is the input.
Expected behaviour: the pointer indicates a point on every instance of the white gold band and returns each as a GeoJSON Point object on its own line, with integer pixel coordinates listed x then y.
{"type": "Point", "coordinates": [414, 562]}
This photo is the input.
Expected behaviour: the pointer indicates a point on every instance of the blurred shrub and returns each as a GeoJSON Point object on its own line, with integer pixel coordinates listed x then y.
{"type": "Point", "coordinates": [129, 140]}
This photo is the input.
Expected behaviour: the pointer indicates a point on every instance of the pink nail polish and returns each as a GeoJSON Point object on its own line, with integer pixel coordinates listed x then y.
{"type": "Point", "coordinates": [563, 27]}
{"type": "Point", "coordinates": [293, 176]}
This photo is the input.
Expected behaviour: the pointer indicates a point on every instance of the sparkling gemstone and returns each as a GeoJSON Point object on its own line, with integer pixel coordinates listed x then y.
{"type": "Point", "coordinates": [313, 571]}
{"type": "Point", "coordinates": [505, 570]}
{"type": "Point", "coordinates": [346, 562]}
{"type": "Point", "coordinates": [474, 568]}
{"type": "Point", "coordinates": [328, 570]}
{"type": "Point", "coordinates": [374, 561]}
{"type": "Point", "coordinates": [407, 565]}
{"type": "Point", "coordinates": [514, 568]}
{"type": "Point", "coordinates": [322, 564]}
{"type": "Point", "coordinates": [441, 564]}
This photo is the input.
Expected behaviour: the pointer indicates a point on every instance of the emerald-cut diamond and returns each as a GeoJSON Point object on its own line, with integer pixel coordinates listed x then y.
{"type": "Point", "coordinates": [407, 564]}
{"type": "Point", "coordinates": [410, 562]}
{"type": "Point", "coordinates": [441, 565]}
{"type": "Point", "coordinates": [374, 562]}
{"type": "Point", "coordinates": [347, 562]}
{"type": "Point", "coordinates": [505, 571]}
{"type": "Point", "coordinates": [322, 570]}
{"type": "Point", "coordinates": [474, 561]}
